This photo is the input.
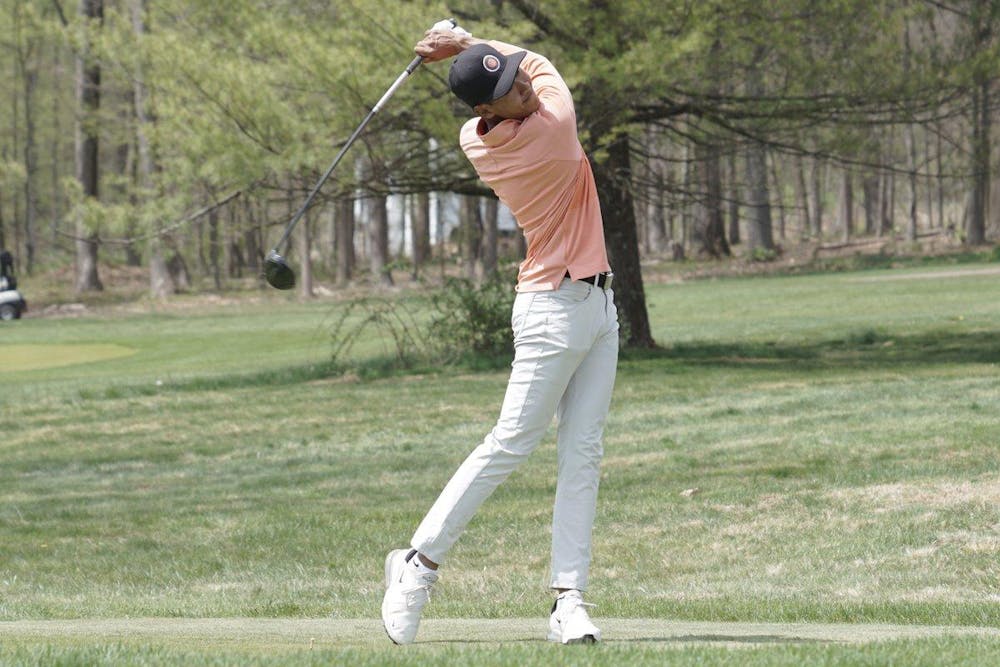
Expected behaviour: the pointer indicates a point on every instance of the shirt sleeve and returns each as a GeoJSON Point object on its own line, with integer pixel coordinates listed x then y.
{"type": "Point", "coordinates": [552, 91]}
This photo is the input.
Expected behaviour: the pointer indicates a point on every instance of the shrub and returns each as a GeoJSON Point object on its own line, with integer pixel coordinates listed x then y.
{"type": "Point", "coordinates": [471, 319]}
{"type": "Point", "coordinates": [468, 323]}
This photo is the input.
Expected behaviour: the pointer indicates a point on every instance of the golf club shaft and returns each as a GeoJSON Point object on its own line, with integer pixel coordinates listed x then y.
{"type": "Point", "coordinates": [375, 109]}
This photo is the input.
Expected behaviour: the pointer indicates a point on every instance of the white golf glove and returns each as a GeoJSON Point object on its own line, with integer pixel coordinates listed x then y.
{"type": "Point", "coordinates": [450, 24]}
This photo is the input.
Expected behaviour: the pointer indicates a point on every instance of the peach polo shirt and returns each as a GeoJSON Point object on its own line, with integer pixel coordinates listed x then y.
{"type": "Point", "coordinates": [538, 168]}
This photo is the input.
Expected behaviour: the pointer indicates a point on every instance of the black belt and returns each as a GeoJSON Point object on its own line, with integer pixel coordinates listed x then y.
{"type": "Point", "coordinates": [601, 280]}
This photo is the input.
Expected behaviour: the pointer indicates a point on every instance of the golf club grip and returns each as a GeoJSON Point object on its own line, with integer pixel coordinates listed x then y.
{"type": "Point", "coordinates": [414, 64]}
{"type": "Point", "coordinates": [319, 184]}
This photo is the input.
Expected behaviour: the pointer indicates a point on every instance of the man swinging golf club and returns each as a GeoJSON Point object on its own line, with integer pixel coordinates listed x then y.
{"type": "Point", "coordinates": [523, 143]}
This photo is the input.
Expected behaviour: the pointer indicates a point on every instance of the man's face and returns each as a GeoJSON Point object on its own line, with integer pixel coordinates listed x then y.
{"type": "Point", "coordinates": [519, 102]}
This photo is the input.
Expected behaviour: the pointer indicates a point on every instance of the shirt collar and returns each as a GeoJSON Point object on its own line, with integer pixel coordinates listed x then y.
{"type": "Point", "coordinates": [501, 133]}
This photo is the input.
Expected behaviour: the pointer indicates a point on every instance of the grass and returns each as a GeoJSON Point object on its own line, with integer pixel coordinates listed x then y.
{"type": "Point", "coordinates": [815, 448]}
{"type": "Point", "coordinates": [690, 645]}
{"type": "Point", "coordinates": [913, 653]}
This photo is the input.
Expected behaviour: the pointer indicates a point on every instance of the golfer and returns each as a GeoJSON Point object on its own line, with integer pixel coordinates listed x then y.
{"type": "Point", "coordinates": [523, 143]}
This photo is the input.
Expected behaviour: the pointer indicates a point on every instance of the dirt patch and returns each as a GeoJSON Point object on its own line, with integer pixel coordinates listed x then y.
{"type": "Point", "coordinates": [924, 493]}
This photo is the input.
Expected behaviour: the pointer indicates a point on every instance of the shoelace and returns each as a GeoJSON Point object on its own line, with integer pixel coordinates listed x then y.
{"type": "Point", "coordinates": [425, 587]}
{"type": "Point", "coordinates": [578, 603]}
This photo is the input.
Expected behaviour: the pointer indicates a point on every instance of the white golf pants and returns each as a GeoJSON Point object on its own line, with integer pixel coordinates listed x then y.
{"type": "Point", "coordinates": [565, 358]}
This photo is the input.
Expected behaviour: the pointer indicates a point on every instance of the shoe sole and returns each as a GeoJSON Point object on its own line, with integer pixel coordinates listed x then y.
{"type": "Point", "coordinates": [586, 639]}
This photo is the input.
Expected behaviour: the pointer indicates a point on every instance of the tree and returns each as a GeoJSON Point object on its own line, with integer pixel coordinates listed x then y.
{"type": "Point", "coordinates": [491, 211]}
{"type": "Point", "coordinates": [254, 97]}
{"type": "Point", "coordinates": [344, 239]}
{"type": "Point", "coordinates": [983, 18]}
{"type": "Point", "coordinates": [26, 52]}
{"type": "Point", "coordinates": [161, 284]}
{"type": "Point", "coordinates": [420, 214]}
{"type": "Point", "coordinates": [88, 95]}
{"type": "Point", "coordinates": [759, 199]}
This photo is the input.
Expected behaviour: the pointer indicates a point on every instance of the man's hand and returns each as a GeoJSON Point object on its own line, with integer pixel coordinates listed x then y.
{"type": "Point", "coordinates": [441, 44]}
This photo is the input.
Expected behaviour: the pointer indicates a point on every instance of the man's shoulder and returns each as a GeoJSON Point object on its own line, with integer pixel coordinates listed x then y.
{"type": "Point", "coordinates": [469, 139]}
{"type": "Point", "coordinates": [469, 129]}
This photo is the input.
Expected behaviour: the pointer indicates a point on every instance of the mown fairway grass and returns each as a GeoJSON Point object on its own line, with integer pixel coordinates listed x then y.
{"type": "Point", "coordinates": [814, 449]}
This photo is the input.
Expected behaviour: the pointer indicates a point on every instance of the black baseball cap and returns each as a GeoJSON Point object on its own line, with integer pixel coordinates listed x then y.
{"type": "Point", "coordinates": [483, 74]}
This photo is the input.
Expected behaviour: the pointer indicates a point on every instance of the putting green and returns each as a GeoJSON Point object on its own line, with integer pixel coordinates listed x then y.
{"type": "Point", "coordinates": [35, 357]}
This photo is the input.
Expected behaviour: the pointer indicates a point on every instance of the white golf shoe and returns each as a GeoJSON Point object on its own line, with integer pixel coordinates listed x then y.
{"type": "Point", "coordinates": [407, 590]}
{"type": "Point", "coordinates": [570, 623]}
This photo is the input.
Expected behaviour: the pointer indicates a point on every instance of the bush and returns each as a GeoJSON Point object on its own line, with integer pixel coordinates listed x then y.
{"type": "Point", "coordinates": [761, 254]}
{"type": "Point", "coordinates": [396, 323]}
{"type": "Point", "coordinates": [472, 319]}
{"type": "Point", "coordinates": [468, 324]}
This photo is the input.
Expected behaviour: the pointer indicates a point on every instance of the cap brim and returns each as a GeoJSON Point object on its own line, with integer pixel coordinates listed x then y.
{"type": "Point", "coordinates": [506, 81]}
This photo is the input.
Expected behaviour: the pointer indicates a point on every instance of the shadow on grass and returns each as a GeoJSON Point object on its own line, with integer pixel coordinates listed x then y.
{"type": "Point", "coordinates": [727, 639]}
{"type": "Point", "coordinates": [680, 639]}
{"type": "Point", "coordinates": [375, 368]}
{"type": "Point", "coordinates": [864, 350]}
{"type": "Point", "coordinates": [861, 350]}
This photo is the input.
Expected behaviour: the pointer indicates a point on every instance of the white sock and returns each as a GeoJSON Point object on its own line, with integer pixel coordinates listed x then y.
{"type": "Point", "coordinates": [419, 566]}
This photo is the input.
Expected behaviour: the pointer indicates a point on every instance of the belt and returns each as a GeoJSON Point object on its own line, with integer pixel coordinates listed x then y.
{"type": "Point", "coordinates": [601, 280]}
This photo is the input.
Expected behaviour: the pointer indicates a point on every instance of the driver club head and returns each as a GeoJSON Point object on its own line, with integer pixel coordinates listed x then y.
{"type": "Point", "coordinates": [277, 272]}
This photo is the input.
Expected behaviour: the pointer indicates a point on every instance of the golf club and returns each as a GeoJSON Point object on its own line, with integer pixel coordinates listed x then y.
{"type": "Point", "coordinates": [276, 270]}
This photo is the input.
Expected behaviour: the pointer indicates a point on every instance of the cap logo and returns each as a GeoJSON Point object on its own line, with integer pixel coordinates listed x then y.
{"type": "Point", "coordinates": [491, 63]}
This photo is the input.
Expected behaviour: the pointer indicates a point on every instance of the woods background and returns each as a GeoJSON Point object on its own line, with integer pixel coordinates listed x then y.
{"type": "Point", "coordinates": [178, 136]}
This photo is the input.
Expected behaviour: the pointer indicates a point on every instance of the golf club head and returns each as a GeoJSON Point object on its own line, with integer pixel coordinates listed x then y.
{"type": "Point", "coordinates": [277, 272]}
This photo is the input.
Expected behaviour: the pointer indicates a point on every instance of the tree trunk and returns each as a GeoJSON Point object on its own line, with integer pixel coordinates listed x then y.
{"type": "Point", "coordinates": [976, 229]}
{"type": "Point", "coordinates": [471, 234]}
{"type": "Point", "coordinates": [251, 237]}
{"type": "Point", "coordinates": [29, 74]}
{"type": "Point", "coordinates": [421, 235]}
{"type": "Point", "coordinates": [491, 214]}
{"type": "Point", "coordinates": [612, 177]}
{"type": "Point", "coordinates": [214, 247]}
{"type": "Point", "coordinates": [759, 225]}
{"type": "Point", "coordinates": [179, 273]}
{"type": "Point", "coordinates": [776, 179]}
{"type": "Point", "coordinates": [88, 96]}
{"type": "Point", "coordinates": [688, 207]}
{"type": "Point", "coordinates": [656, 235]}
{"type": "Point", "coordinates": [161, 284]}
{"type": "Point", "coordinates": [940, 187]}
{"type": "Point", "coordinates": [304, 243]}
{"type": "Point", "coordinates": [710, 230]}
{"type": "Point", "coordinates": [379, 242]}
{"type": "Point", "coordinates": [56, 155]}
{"type": "Point", "coordinates": [735, 196]}
{"type": "Point", "coordinates": [3, 225]}
{"type": "Point", "coordinates": [911, 141]}
{"type": "Point", "coordinates": [847, 204]}
{"type": "Point", "coordinates": [817, 210]}
{"type": "Point", "coordinates": [870, 194]}
{"type": "Point", "coordinates": [911, 229]}
{"type": "Point", "coordinates": [345, 240]}
{"type": "Point", "coordinates": [888, 203]}
{"type": "Point", "coordinates": [807, 226]}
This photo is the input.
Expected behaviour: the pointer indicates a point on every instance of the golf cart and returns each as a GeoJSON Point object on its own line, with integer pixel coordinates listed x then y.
{"type": "Point", "coordinates": [12, 304]}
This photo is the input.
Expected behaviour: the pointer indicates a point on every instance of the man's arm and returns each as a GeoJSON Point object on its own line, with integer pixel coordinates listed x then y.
{"type": "Point", "coordinates": [440, 45]}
